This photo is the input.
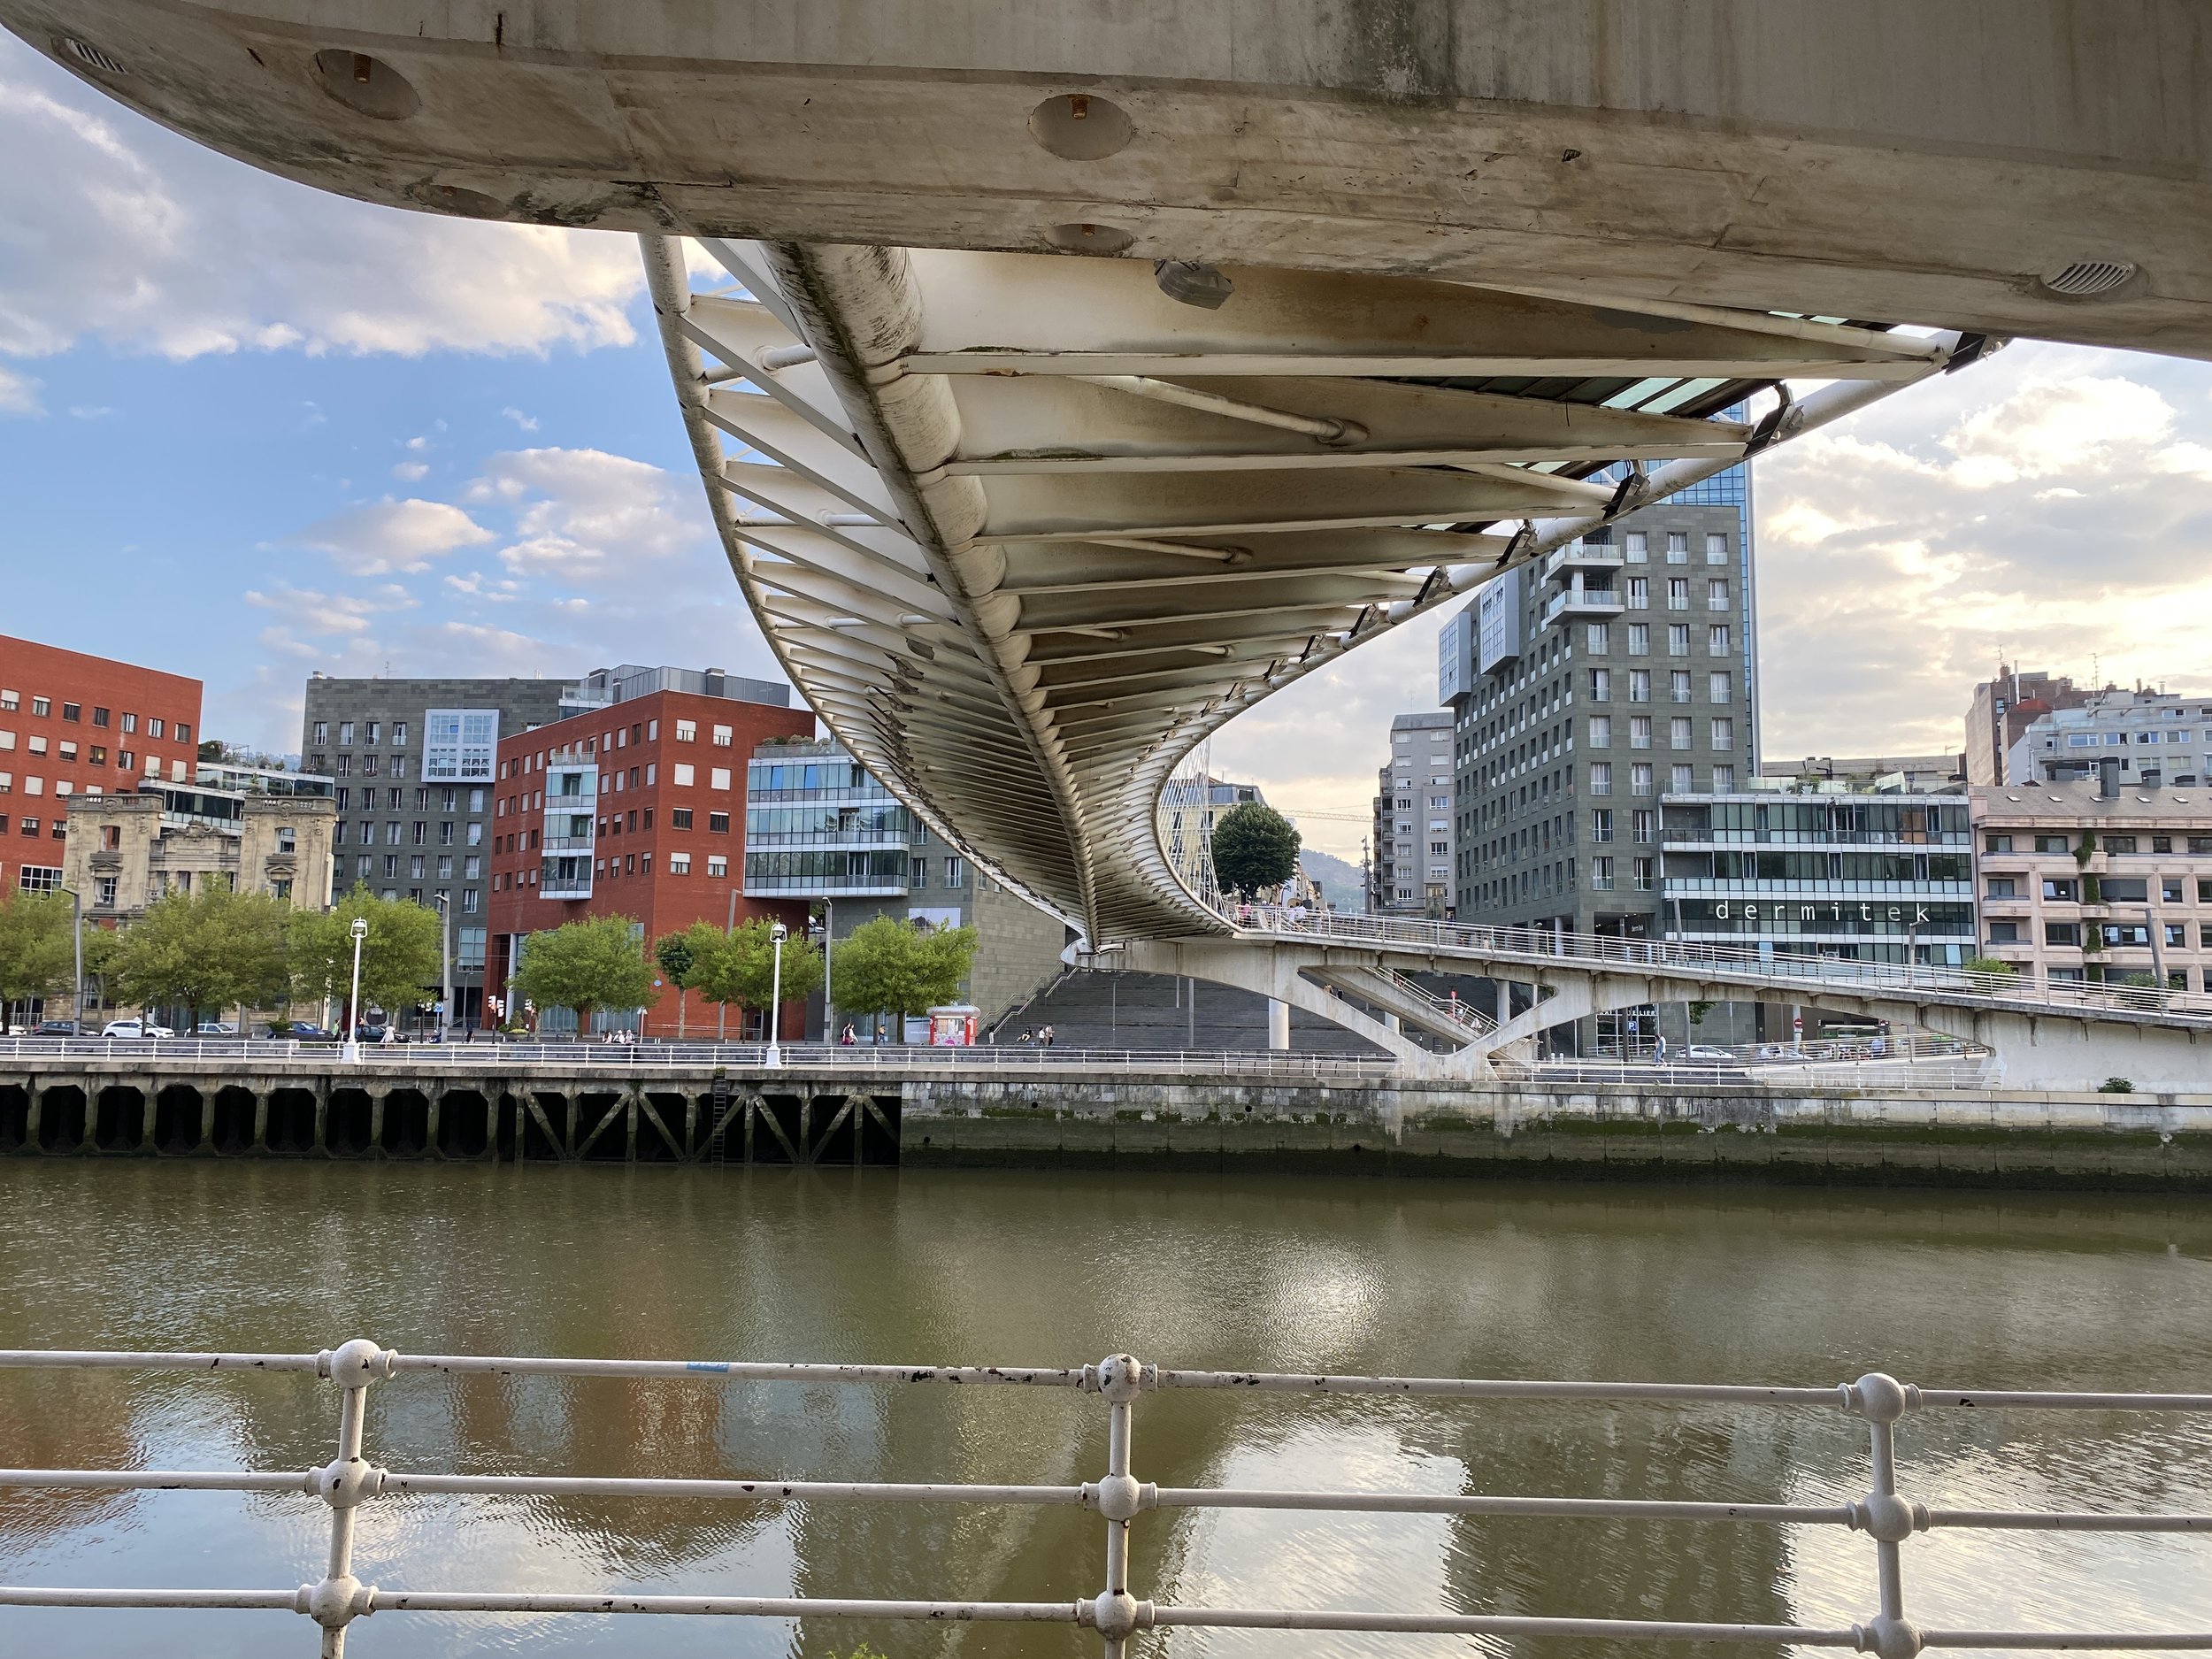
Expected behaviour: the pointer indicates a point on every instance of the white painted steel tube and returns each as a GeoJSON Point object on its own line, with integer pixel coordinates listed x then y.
{"type": "Point", "coordinates": [2167, 1641]}
{"type": "Point", "coordinates": [1485, 1625]}
{"type": "Point", "coordinates": [156, 1481]}
{"type": "Point", "coordinates": [32, 1596]}
{"type": "Point", "coordinates": [739, 1370]}
{"type": "Point", "coordinates": [2068, 1521]}
{"type": "Point", "coordinates": [1476, 1388]}
{"type": "Point", "coordinates": [736, 1606]}
{"type": "Point", "coordinates": [741, 1491]}
{"type": "Point", "coordinates": [1441, 1504]}
{"type": "Point", "coordinates": [97, 1359]}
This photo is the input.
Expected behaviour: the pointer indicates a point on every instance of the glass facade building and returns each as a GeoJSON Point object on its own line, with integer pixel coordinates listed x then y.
{"type": "Point", "coordinates": [817, 826]}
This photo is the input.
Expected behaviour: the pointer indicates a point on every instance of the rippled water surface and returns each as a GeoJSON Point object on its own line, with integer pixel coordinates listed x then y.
{"type": "Point", "coordinates": [1448, 1279]}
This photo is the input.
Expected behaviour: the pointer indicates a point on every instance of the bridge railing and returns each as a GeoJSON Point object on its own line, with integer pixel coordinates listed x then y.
{"type": "Point", "coordinates": [1890, 1512]}
{"type": "Point", "coordinates": [1738, 961]}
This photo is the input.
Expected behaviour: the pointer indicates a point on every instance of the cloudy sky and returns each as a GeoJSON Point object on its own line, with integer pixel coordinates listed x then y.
{"type": "Point", "coordinates": [248, 430]}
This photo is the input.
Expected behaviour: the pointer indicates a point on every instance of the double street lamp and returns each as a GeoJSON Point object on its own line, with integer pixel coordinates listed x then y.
{"type": "Point", "coordinates": [776, 933]}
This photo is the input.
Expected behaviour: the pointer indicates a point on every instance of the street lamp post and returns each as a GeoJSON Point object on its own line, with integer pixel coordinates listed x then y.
{"type": "Point", "coordinates": [445, 966]}
{"type": "Point", "coordinates": [776, 933]}
{"type": "Point", "coordinates": [76, 935]}
{"type": "Point", "coordinates": [350, 1054]}
{"type": "Point", "coordinates": [829, 937]}
{"type": "Point", "coordinates": [722, 1009]}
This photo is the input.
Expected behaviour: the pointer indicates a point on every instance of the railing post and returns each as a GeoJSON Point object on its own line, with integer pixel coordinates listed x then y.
{"type": "Point", "coordinates": [343, 1482]}
{"type": "Point", "coordinates": [1884, 1515]}
{"type": "Point", "coordinates": [1115, 1612]}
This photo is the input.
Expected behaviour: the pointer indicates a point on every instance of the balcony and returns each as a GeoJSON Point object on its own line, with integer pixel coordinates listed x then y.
{"type": "Point", "coordinates": [552, 886]}
{"type": "Point", "coordinates": [1578, 601]}
{"type": "Point", "coordinates": [1583, 556]}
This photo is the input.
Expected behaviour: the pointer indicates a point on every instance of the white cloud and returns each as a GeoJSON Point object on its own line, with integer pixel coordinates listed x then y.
{"type": "Point", "coordinates": [528, 423]}
{"type": "Point", "coordinates": [159, 245]}
{"type": "Point", "coordinates": [392, 536]}
{"type": "Point", "coordinates": [410, 472]}
{"type": "Point", "coordinates": [19, 394]}
{"type": "Point", "coordinates": [584, 515]}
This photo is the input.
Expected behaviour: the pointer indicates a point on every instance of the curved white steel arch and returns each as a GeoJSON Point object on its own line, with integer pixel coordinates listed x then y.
{"type": "Point", "coordinates": [1025, 530]}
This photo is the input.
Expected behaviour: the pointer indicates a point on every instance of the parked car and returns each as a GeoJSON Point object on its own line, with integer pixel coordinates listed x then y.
{"type": "Point", "coordinates": [215, 1028]}
{"type": "Point", "coordinates": [56, 1028]}
{"type": "Point", "coordinates": [373, 1032]}
{"type": "Point", "coordinates": [135, 1028]}
{"type": "Point", "coordinates": [1707, 1053]}
{"type": "Point", "coordinates": [287, 1032]}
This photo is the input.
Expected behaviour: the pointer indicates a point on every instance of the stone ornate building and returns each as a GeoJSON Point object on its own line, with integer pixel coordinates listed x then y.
{"type": "Point", "coordinates": [123, 851]}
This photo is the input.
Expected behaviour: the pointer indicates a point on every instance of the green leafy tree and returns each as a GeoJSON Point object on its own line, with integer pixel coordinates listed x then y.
{"type": "Point", "coordinates": [893, 967]}
{"type": "Point", "coordinates": [739, 969]}
{"type": "Point", "coordinates": [398, 958]}
{"type": "Point", "coordinates": [206, 950]}
{"type": "Point", "coordinates": [38, 956]}
{"type": "Point", "coordinates": [593, 963]}
{"type": "Point", "coordinates": [1255, 847]}
{"type": "Point", "coordinates": [678, 958]}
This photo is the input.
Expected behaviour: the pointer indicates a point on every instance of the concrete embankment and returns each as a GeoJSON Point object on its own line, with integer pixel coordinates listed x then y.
{"type": "Point", "coordinates": [1065, 1116]}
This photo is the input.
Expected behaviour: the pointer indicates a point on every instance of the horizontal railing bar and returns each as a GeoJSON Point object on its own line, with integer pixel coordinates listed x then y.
{"type": "Point", "coordinates": [1931, 1399]}
{"type": "Point", "coordinates": [2060, 1521]}
{"type": "Point", "coordinates": [157, 1481]}
{"type": "Point", "coordinates": [1495, 1388]}
{"type": "Point", "coordinates": [27, 1595]}
{"type": "Point", "coordinates": [1441, 1504]}
{"type": "Point", "coordinates": [1495, 1624]}
{"type": "Point", "coordinates": [734, 1606]}
{"type": "Point", "coordinates": [742, 1491]}
{"type": "Point", "coordinates": [741, 1371]}
{"type": "Point", "coordinates": [103, 1359]}
{"type": "Point", "coordinates": [2164, 1641]}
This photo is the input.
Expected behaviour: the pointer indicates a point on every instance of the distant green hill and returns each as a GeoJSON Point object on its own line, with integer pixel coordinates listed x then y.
{"type": "Point", "coordinates": [1339, 881]}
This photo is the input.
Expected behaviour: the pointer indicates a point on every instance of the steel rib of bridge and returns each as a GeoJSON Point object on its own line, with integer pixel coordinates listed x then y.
{"type": "Point", "coordinates": [1024, 530]}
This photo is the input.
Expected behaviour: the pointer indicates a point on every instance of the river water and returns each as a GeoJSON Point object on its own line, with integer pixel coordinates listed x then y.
{"type": "Point", "coordinates": [1795, 1286]}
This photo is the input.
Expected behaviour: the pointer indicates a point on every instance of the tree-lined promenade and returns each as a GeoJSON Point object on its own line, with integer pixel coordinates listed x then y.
{"type": "Point", "coordinates": [213, 950]}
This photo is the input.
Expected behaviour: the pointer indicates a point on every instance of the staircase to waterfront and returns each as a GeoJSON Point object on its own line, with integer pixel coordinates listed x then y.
{"type": "Point", "coordinates": [1146, 1010]}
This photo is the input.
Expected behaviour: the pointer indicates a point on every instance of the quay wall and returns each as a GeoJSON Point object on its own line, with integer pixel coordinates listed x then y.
{"type": "Point", "coordinates": [951, 1116]}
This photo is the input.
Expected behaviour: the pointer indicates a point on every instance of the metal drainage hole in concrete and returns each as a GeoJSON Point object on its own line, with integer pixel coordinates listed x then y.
{"type": "Point", "coordinates": [1080, 127]}
{"type": "Point", "coordinates": [2086, 279]}
{"type": "Point", "coordinates": [91, 56]}
{"type": "Point", "coordinates": [1105, 239]}
{"type": "Point", "coordinates": [367, 84]}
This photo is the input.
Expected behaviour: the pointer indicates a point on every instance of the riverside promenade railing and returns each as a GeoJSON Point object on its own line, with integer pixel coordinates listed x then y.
{"type": "Point", "coordinates": [1888, 1516]}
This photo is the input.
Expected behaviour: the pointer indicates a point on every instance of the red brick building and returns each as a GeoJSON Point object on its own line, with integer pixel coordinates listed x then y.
{"type": "Point", "coordinates": [634, 810]}
{"type": "Point", "coordinates": [70, 725]}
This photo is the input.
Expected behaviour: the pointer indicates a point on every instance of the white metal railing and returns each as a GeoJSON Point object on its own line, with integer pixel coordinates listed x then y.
{"type": "Point", "coordinates": [1750, 966]}
{"type": "Point", "coordinates": [668, 1056]}
{"type": "Point", "coordinates": [1452, 1007]}
{"type": "Point", "coordinates": [1963, 1071]}
{"type": "Point", "coordinates": [350, 1481]}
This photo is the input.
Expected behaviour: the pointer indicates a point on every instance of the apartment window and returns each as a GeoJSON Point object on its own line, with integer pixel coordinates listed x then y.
{"type": "Point", "coordinates": [718, 823]}
{"type": "Point", "coordinates": [1723, 780]}
{"type": "Point", "coordinates": [1639, 593]}
{"type": "Point", "coordinates": [1639, 778]}
{"type": "Point", "coordinates": [687, 731]}
{"type": "Point", "coordinates": [716, 864]}
{"type": "Point", "coordinates": [2176, 933]}
{"type": "Point", "coordinates": [1679, 732]}
{"type": "Point", "coordinates": [1601, 777]}
{"type": "Point", "coordinates": [96, 754]}
{"type": "Point", "coordinates": [1600, 685]}
{"type": "Point", "coordinates": [1678, 639]}
{"type": "Point", "coordinates": [1602, 874]}
{"type": "Point", "coordinates": [72, 711]}
{"type": "Point", "coordinates": [955, 872]}
{"type": "Point", "coordinates": [682, 774]}
{"type": "Point", "coordinates": [2169, 890]}
{"type": "Point", "coordinates": [1640, 638]}
{"type": "Point", "coordinates": [1996, 843]}
{"type": "Point", "coordinates": [720, 778]}
{"type": "Point", "coordinates": [415, 867]}
{"type": "Point", "coordinates": [1639, 547]}
{"type": "Point", "coordinates": [2051, 844]}
{"type": "Point", "coordinates": [1597, 638]}
{"type": "Point", "coordinates": [68, 749]}
{"type": "Point", "coordinates": [2003, 887]}
{"type": "Point", "coordinates": [1601, 823]}
{"type": "Point", "coordinates": [476, 834]}
{"type": "Point", "coordinates": [1716, 549]}
{"type": "Point", "coordinates": [1678, 546]}
{"type": "Point", "coordinates": [680, 864]}
{"type": "Point", "coordinates": [1678, 593]}
{"type": "Point", "coordinates": [1716, 593]}
{"type": "Point", "coordinates": [10, 701]}
{"type": "Point", "coordinates": [721, 737]}
{"type": "Point", "coordinates": [2004, 932]}
{"type": "Point", "coordinates": [1639, 684]}
{"type": "Point", "coordinates": [1601, 731]}
{"type": "Point", "coordinates": [1717, 639]}
{"type": "Point", "coordinates": [1720, 687]}
{"type": "Point", "coordinates": [1723, 735]}
{"type": "Point", "coordinates": [2063, 890]}
{"type": "Point", "coordinates": [918, 873]}
{"type": "Point", "coordinates": [679, 817]}
{"type": "Point", "coordinates": [345, 734]}
{"type": "Point", "coordinates": [1679, 686]}
{"type": "Point", "coordinates": [153, 728]}
{"type": "Point", "coordinates": [472, 867]}
{"type": "Point", "coordinates": [38, 743]}
{"type": "Point", "coordinates": [368, 765]}
{"type": "Point", "coordinates": [1681, 779]}
{"type": "Point", "coordinates": [1644, 824]}
{"type": "Point", "coordinates": [1639, 731]}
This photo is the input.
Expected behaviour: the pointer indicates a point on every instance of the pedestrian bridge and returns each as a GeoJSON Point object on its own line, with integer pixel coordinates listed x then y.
{"type": "Point", "coordinates": [2056, 1035]}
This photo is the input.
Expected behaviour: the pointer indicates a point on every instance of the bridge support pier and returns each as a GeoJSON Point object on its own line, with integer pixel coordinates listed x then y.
{"type": "Point", "coordinates": [1278, 1024]}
